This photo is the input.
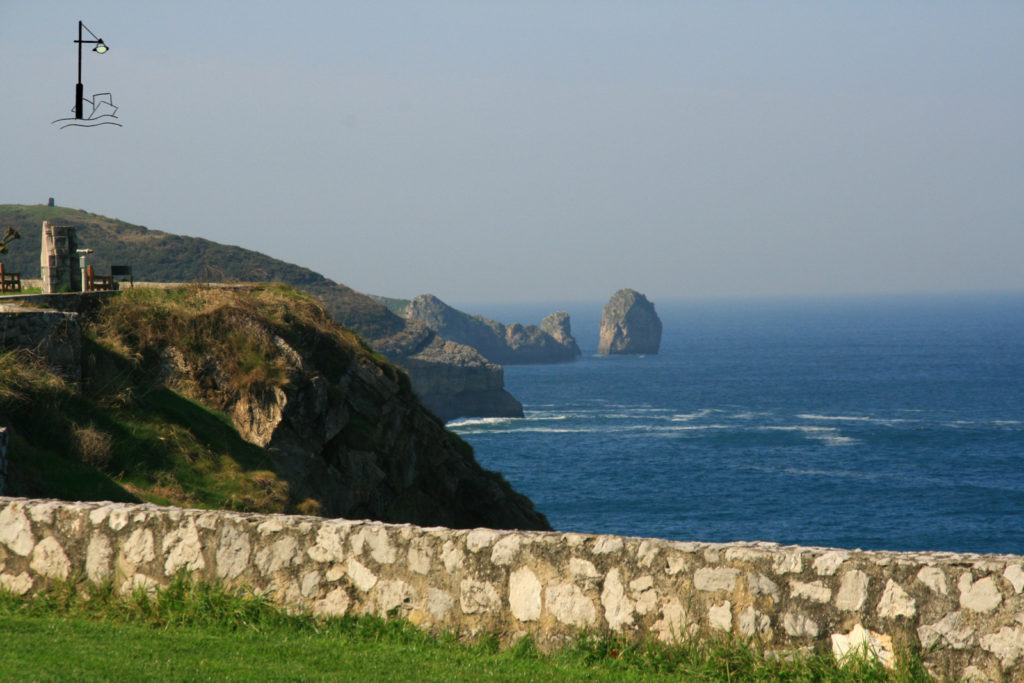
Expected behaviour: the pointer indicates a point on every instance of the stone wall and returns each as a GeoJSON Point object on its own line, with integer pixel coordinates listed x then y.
{"type": "Point", "coordinates": [53, 335]}
{"type": "Point", "coordinates": [967, 611]}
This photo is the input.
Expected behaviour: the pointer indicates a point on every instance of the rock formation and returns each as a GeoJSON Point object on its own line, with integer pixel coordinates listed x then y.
{"type": "Point", "coordinates": [629, 325]}
{"type": "Point", "coordinates": [557, 325]}
{"type": "Point", "coordinates": [342, 426]}
{"type": "Point", "coordinates": [451, 379]}
{"type": "Point", "coordinates": [498, 343]}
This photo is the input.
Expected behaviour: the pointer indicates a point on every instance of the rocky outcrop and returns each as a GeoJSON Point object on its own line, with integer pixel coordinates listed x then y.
{"type": "Point", "coordinates": [342, 426]}
{"type": "Point", "coordinates": [451, 379]}
{"type": "Point", "coordinates": [498, 343]}
{"type": "Point", "coordinates": [629, 325]}
{"type": "Point", "coordinates": [557, 325]}
{"type": "Point", "coordinates": [965, 611]}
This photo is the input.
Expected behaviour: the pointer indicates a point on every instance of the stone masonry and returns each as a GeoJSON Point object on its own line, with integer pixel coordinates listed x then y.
{"type": "Point", "coordinates": [966, 611]}
{"type": "Point", "coordinates": [54, 335]}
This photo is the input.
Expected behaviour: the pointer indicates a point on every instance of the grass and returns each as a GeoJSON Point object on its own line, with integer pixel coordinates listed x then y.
{"type": "Point", "coordinates": [127, 442]}
{"type": "Point", "coordinates": [199, 631]}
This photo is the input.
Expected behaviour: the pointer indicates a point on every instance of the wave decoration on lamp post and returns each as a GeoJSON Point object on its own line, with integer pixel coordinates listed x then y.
{"type": "Point", "coordinates": [100, 109]}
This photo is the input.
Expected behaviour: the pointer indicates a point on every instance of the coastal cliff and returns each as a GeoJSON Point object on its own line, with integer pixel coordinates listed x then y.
{"type": "Point", "coordinates": [451, 379]}
{"type": "Point", "coordinates": [498, 343]}
{"type": "Point", "coordinates": [629, 325]}
{"type": "Point", "coordinates": [337, 430]}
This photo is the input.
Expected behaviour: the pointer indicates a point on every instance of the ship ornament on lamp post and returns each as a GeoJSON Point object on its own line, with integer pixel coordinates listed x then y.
{"type": "Point", "coordinates": [102, 104]}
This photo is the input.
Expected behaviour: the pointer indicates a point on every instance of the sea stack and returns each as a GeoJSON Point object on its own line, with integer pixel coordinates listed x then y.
{"type": "Point", "coordinates": [629, 325]}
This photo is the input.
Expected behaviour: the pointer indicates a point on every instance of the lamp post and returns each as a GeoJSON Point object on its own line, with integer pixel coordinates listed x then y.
{"type": "Point", "coordinates": [100, 48]}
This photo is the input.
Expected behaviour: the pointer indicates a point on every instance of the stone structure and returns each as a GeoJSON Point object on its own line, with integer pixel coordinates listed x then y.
{"type": "Point", "coordinates": [60, 272]}
{"type": "Point", "coordinates": [629, 324]}
{"type": "Point", "coordinates": [965, 611]}
{"type": "Point", "coordinates": [53, 335]}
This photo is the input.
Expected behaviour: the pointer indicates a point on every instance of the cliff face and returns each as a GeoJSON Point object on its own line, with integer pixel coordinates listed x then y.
{"type": "Point", "coordinates": [451, 379]}
{"type": "Point", "coordinates": [557, 325]}
{"type": "Point", "coordinates": [342, 427]}
{"type": "Point", "coordinates": [629, 325]}
{"type": "Point", "coordinates": [498, 343]}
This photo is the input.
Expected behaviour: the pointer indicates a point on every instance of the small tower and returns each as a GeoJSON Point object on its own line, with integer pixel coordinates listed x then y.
{"type": "Point", "coordinates": [56, 259]}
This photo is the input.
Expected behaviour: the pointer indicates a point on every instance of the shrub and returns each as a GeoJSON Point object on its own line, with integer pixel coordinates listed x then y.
{"type": "Point", "coordinates": [92, 445]}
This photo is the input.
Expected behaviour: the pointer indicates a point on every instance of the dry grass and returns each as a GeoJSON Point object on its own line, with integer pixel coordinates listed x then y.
{"type": "Point", "coordinates": [25, 375]}
{"type": "Point", "coordinates": [92, 445]}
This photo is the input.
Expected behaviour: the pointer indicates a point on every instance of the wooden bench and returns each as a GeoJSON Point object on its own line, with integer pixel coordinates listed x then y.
{"type": "Point", "coordinates": [9, 282]}
{"type": "Point", "coordinates": [98, 283]}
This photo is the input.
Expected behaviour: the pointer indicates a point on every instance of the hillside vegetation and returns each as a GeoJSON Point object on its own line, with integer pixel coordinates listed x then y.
{"type": "Point", "coordinates": [245, 398]}
{"type": "Point", "coordinates": [158, 256]}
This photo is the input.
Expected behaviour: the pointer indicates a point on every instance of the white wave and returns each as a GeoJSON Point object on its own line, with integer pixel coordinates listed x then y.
{"type": "Point", "coordinates": [835, 439]}
{"type": "Point", "coordinates": [687, 417]}
{"type": "Point", "coordinates": [850, 418]}
{"type": "Point", "coordinates": [526, 430]}
{"type": "Point", "coordinates": [462, 423]}
{"type": "Point", "coordinates": [532, 416]}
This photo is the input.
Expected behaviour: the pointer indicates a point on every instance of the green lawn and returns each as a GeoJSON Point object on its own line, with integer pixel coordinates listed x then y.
{"type": "Point", "coordinates": [201, 632]}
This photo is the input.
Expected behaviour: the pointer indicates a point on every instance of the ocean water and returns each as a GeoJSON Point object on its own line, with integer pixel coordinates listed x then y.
{"type": "Point", "coordinates": [875, 423]}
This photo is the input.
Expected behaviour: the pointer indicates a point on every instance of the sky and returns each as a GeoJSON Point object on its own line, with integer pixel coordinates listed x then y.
{"type": "Point", "coordinates": [532, 151]}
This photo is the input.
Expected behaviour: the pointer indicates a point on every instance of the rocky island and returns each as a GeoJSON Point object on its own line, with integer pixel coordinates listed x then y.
{"type": "Point", "coordinates": [629, 325]}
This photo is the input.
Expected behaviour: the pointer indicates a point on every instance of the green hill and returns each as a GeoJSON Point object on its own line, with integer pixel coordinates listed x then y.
{"type": "Point", "coordinates": [159, 256]}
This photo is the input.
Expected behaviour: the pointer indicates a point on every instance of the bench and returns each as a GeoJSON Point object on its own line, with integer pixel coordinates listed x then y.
{"type": "Point", "coordinates": [98, 283]}
{"type": "Point", "coordinates": [9, 282]}
{"type": "Point", "coordinates": [103, 283]}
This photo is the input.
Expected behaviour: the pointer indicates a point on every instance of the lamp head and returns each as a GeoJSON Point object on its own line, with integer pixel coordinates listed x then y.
{"type": "Point", "coordinates": [101, 47]}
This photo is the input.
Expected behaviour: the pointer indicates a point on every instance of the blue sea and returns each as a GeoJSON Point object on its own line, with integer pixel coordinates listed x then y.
{"type": "Point", "coordinates": [877, 423]}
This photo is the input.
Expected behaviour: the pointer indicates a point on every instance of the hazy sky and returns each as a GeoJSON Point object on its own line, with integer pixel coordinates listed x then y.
{"type": "Point", "coordinates": [535, 151]}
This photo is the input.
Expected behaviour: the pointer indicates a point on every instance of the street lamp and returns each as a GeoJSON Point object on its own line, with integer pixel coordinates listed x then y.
{"type": "Point", "coordinates": [100, 48]}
